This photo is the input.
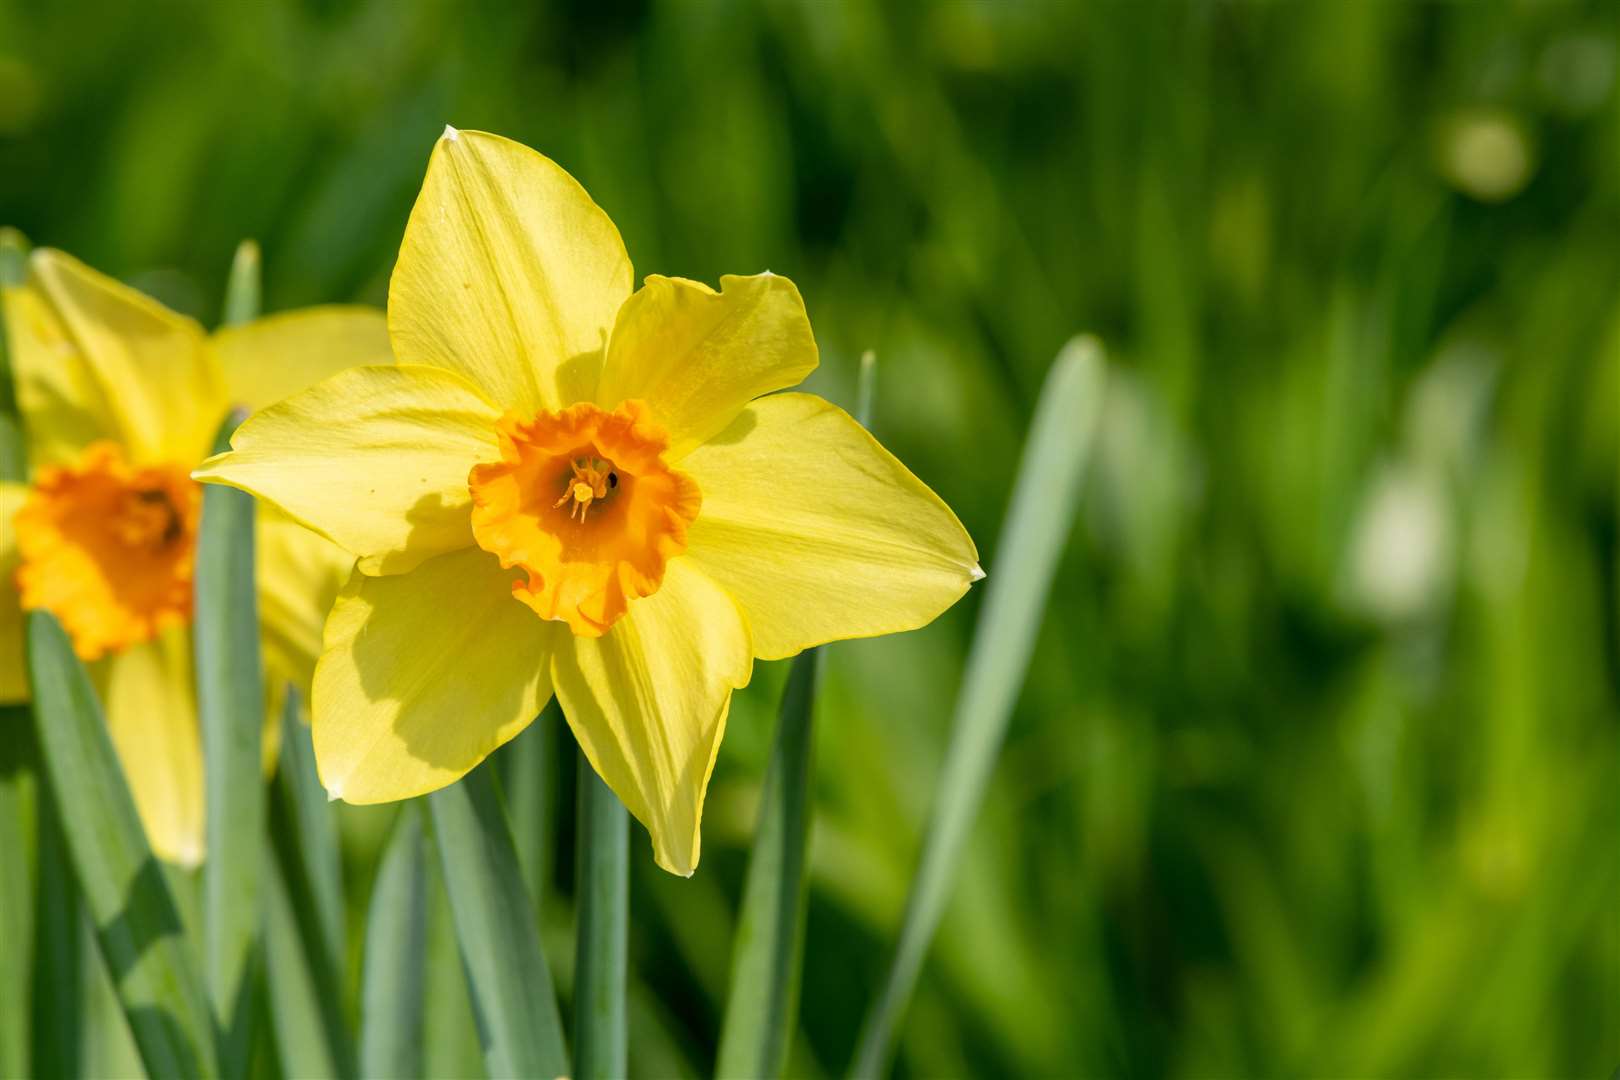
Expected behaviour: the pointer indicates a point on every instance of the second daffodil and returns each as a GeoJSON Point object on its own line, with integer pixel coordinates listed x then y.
{"type": "Point", "coordinates": [570, 487]}
{"type": "Point", "coordinates": [120, 398]}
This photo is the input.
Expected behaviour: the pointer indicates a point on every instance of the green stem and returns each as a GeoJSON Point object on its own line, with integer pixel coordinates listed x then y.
{"type": "Point", "coordinates": [230, 706]}
{"type": "Point", "coordinates": [512, 991]}
{"type": "Point", "coordinates": [602, 883]}
{"type": "Point", "coordinates": [762, 1007]}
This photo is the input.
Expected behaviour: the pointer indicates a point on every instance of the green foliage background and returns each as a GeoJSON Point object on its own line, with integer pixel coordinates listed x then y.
{"type": "Point", "coordinates": [1315, 772]}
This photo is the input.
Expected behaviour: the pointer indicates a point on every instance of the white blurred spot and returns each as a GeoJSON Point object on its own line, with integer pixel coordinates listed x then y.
{"type": "Point", "coordinates": [1401, 551]}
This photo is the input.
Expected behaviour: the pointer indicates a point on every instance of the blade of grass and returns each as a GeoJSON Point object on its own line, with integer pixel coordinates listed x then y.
{"type": "Point", "coordinates": [1032, 538]}
{"type": "Point", "coordinates": [243, 288]}
{"type": "Point", "coordinates": [303, 1041]}
{"type": "Point", "coordinates": [762, 1007]}
{"type": "Point", "coordinates": [13, 452]}
{"type": "Point", "coordinates": [395, 970]}
{"type": "Point", "coordinates": [602, 889]}
{"type": "Point", "coordinates": [19, 795]}
{"type": "Point", "coordinates": [529, 778]}
{"type": "Point", "coordinates": [230, 706]}
{"type": "Point", "coordinates": [450, 1043]}
{"type": "Point", "coordinates": [137, 925]}
{"type": "Point", "coordinates": [768, 953]}
{"type": "Point", "coordinates": [19, 834]}
{"type": "Point", "coordinates": [58, 1011]}
{"type": "Point", "coordinates": [305, 833]}
{"type": "Point", "coordinates": [511, 986]}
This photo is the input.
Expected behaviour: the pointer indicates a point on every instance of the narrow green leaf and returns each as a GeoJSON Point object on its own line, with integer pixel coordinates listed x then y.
{"type": "Point", "coordinates": [301, 814]}
{"type": "Point", "coordinates": [297, 1018]}
{"type": "Point", "coordinates": [58, 963]}
{"type": "Point", "coordinates": [230, 706]}
{"type": "Point", "coordinates": [304, 841]}
{"type": "Point", "coordinates": [393, 980]}
{"type": "Point", "coordinates": [1032, 538]}
{"type": "Point", "coordinates": [242, 288]}
{"type": "Point", "coordinates": [512, 992]}
{"type": "Point", "coordinates": [529, 777]}
{"type": "Point", "coordinates": [13, 451]}
{"type": "Point", "coordinates": [137, 925]}
{"type": "Point", "coordinates": [19, 834]}
{"type": "Point", "coordinates": [602, 891]}
{"type": "Point", "coordinates": [450, 1043]}
{"type": "Point", "coordinates": [866, 387]}
{"type": "Point", "coordinates": [762, 1007]}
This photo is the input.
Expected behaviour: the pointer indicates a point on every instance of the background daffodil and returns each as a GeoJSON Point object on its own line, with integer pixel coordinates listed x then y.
{"type": "Point", "coordinates": [120, 398]}
{"type": "Point", "coordinates": [568, 487]}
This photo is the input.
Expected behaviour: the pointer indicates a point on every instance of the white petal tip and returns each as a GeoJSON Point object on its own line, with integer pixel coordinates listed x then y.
{"type": "Point", "coordinates": [189, 856]}
{"type": "Point", "coordinates": [977, 573]}
{"type": "Point", "coordinates": [451, 134]}
{"type": "Point", "coordinates": [334, 794]}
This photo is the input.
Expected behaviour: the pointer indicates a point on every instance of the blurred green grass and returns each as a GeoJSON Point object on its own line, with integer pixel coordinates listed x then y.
{"type": "Point", "coordinates": [1315, 771]}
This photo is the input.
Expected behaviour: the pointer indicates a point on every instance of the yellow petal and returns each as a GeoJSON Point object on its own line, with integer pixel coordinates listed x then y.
{"type": "Point", "coordinates": [62, 405]}
{"type": "Point", "coordinates": [697, 356]}
{"type": "Point", "coordinates": [424, 675]}
{"type": "Point", "coordinates": [299, 575]}
{"type": "Point", "coordinates": [153, 722]}
{"type": "Point", "coordinates": [648, 700]}
{"type": "Point", "coordinates": [13, 669]}
{"type": "Point", "coordinates": [159, 379]}
{"type": "Point", "coordinates": [374, 458]}
{"type": "Point", "coordinates": [272, 358]}
{"type": "Point", "coordinates": [819, 532]}
{"type": "Point", "coordinates": [508, 274]}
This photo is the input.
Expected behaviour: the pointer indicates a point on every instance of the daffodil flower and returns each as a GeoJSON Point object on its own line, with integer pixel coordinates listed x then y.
{"type": "Point", "coordinates": [120, 399]}
{"type": "Point", "coordinates": [568, 487]}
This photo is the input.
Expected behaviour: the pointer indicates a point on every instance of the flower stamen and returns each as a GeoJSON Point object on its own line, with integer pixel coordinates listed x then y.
{"type": "Point", "coordinates": [626, 510]}
{"type": "Point", "coordinates": [591, 480]}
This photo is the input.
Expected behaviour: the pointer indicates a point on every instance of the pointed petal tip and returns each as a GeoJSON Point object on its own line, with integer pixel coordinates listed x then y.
{"type": "Point", "coordinates": [450, 134]}
{"type": "Point", "coordinates": [977, 573]}
{"type": "Point", "coordinates": [334, 793]}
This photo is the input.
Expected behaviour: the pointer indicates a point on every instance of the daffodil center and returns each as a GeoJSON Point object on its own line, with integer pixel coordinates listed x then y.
{"type": "Point", "coordinates": [108, 548]}
{"type": "Point", "coordinates": [583, 502]}
{"type": "Point", "coordinates": [589, 480]}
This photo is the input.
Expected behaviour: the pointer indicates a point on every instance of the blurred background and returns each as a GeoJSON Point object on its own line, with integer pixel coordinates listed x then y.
{"type": "Point", "coordinates": [1315, 770]}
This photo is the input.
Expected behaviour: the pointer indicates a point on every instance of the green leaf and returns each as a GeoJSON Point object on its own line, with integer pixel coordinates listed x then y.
{"type": "Point", "coordinates": [1032, 538]}
{"type": "Point", "coordinates": [59, 964]}
{"type": "Point", "coordinates": [762, 1007]}
{"type": "Point", "coordinates": [230, 707]}
{"type": "Point", "coordinates": [450, 1042]}
{"type": "Point", "coordinates": [19, 834]}
{"type": "Point", "coordinates": [13, 450]}
{"type": "Point", "coordinates": [305, 833]}
{"type": "Point", "coordinates": [511, 986]}
{"type": "Point", "coordinates": [137, 925]}
{"type": "Point", "coordinates": [602, 890]}
{"type": "Point", "coordinates": [528, 767]}
{"type": "Point", "coordinates": [242, 288]}
{"type": "Point", "coordinates": [304, 839]}
{"type": "Point", "coordinates": [298, 1006]}
{"type": "Point", "coordinates": [393, 980]}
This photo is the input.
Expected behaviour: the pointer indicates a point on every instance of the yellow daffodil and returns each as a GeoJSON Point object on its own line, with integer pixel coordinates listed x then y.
{"type": "Point", "coordinates": [568, 487]}
{"type": "Point", "coordinates": [120, 399]}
